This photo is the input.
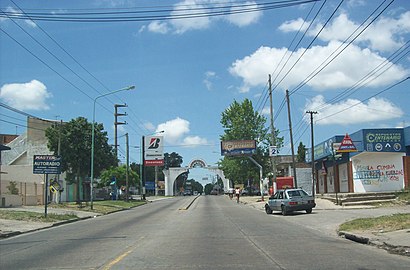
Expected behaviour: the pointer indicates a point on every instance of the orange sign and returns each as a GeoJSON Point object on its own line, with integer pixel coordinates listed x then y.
{"type": "Point", "coordinates": [347, 145]}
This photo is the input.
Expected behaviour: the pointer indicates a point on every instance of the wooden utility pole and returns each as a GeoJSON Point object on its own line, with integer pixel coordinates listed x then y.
{"type": "Point", "coordinates": [116, 123]}
{"type": "Point", "coordinates": [128, 167]}
{"type": "Point", "coordinates": [312, 151]}
{"type": "Point", "coordinates": [273, 161]}
{"type": "Point", "coordinates": [291, 141]}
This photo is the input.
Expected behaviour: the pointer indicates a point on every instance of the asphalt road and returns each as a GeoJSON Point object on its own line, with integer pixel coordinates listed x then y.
{"type": "Point", "coordinates": [214, 233]}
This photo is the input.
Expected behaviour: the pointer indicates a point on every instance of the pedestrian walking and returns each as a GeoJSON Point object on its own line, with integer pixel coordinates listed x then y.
{"type": "Point", "coordinates": [237, 194]}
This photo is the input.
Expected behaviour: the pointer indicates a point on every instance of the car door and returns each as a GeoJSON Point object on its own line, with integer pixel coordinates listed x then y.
{"type": "Point", "coordinates": [277, 202]}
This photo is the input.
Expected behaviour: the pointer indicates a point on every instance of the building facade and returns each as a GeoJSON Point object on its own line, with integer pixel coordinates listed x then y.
{"type": "Point", "coordinates": [379, 161]}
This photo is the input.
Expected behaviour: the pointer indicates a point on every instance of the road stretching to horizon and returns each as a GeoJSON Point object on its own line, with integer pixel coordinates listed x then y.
{"type": "Point", "coordinates": [214, 233]}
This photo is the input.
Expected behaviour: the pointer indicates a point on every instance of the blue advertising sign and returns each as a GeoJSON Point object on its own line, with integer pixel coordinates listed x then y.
{"type": "Point", "coordinates": [46, 164]}
{"type": "Point", "coordinates": [384, 140]}
{"type": "Point", "coordinates": [150, 185]}
{"type": "Point", "coordinates": [238, 148]}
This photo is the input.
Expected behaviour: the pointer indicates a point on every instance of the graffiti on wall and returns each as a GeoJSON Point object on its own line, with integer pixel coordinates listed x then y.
{"type": "Point", "coordinates": [377, 174]}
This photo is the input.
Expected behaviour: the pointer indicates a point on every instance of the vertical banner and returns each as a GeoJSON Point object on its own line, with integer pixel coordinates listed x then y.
{"type": "Point", "coordinates": [154, 151]}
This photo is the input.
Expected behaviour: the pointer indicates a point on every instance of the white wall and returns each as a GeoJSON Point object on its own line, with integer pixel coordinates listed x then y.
{"type": "Point", "coordinates": [343, 178]}
{"type": "Point", "coordinates": [375, 172]}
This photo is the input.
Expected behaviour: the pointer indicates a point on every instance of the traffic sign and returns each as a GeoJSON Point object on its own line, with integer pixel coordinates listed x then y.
{"type": "Point", "coordinates": [347, 145]}
{"type": "Point", "coordinates": [273, 151]}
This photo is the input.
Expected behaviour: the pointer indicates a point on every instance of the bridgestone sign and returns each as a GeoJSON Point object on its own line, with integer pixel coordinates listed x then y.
{"type": "Point", "coordinates": [46, 164]}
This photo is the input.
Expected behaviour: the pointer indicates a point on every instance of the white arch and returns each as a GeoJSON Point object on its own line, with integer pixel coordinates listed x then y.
{"type": "Point", "coordinates": [171, 175]}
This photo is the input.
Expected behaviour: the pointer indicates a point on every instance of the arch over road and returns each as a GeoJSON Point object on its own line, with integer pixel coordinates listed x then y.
{"type": "Point", "coordinates": [171, 174]}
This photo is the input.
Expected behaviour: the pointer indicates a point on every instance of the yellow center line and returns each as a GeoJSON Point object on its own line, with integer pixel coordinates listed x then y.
{"type": "Point", "coordinates": [120, 257]}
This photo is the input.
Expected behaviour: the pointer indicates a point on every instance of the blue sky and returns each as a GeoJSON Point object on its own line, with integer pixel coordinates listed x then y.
{"type": "Point", "coordinates": [188, 71]}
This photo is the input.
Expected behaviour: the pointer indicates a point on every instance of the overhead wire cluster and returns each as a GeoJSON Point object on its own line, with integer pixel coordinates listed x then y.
{"type": "Point", "coordinates": [374, 74]}
{"type": "Point", "coordinates": [100, 15]}
{"type": "Point", "coordinates": [155, 13]}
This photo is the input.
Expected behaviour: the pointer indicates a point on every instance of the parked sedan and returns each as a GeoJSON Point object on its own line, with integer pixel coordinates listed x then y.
{"type": "Point", "coordinates": [289, 200]}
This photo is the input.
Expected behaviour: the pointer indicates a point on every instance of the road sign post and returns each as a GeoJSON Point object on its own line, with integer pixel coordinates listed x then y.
{"type": "Point", "coordinates": [46, 164]}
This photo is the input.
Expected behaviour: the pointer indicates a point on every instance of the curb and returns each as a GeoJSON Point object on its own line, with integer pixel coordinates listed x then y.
{"type": "Point", "coordinates": [189, 205]}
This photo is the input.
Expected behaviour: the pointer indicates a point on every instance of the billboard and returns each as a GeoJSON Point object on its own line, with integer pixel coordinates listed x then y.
{"type": "Point", "coordinates": [238, 148]}
{"type": "Point", "coordinates": [384, 140]}
{"type": "Point", "coordinates": [153, 150]}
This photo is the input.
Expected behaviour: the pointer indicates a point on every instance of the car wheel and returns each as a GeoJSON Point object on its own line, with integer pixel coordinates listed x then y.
{"type": "Point", "coordinates": [284, 212]}
{"type": "Point", "coordinates": [309, 210]}
{"type": "Point", "coordinates": [268, 210]}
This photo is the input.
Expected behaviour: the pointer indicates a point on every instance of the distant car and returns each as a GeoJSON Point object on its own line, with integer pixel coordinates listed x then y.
{"type": "Point", "coordinates": [214, 192]}
{"type": "Point", "coordinates": [255, 192]}
{"type": "Point", "coordinates": [187, 193]}
{"type": "Point", "coordinates": [289, 200]}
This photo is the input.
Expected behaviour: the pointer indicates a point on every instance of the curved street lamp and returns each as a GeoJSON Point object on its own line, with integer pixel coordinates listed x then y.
{"type": "Point", "coordinates": [92, 138]}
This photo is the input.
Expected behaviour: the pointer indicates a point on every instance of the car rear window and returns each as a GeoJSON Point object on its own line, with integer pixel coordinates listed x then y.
{"type": "Point", "coordinates": [293, 193]}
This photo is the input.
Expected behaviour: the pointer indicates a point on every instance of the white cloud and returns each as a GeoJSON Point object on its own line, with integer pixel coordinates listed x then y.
{"type": "Point", "coordinates": [149, 126]}
{"type": "Point", "coordinates": [176, 133]}
{"type": "Point", "coordinates": [244, 19]}
{"type": "Point", "coordinates": [376, 109]}
{"type": "Point", "coordinates": [342, 72]}
{"type": "Point", "coordinates": [183, 25]}
{"type": "Point", "coordinates": [199, 7]}
{"type": "Point", "coordinates": [209, 76]}
{"type": "Point", "coordinates": [26, 96]}
{"type": "Point", "coordinates": [266, 111]}
{"type": "Point", "coordinates": [16, 12]}
{"type": "Point", "coordinates": [174, 130]}
{"type": "Point", "coordinates": [192, 141]}
{"type": "Point", "coordinates": [294, 25]}
{"type": "Point", "coordinates": [158, 27]}
{"type": "Point", "coordinates": [382, 35]}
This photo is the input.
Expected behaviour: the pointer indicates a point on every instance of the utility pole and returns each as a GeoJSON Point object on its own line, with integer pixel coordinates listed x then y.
{"type": "Point", "coordinates": [312, 151]}
{"type": "Point", "coordinates": [273, 161]}
{"type": "Point", "coordinates": [291, 140]}
{"type": "Point", "coordinates": [116, 123]}
{"type": "Point", "coordinates": [128, 167]}
{"type": "Point", "coordinates": [142, 169]}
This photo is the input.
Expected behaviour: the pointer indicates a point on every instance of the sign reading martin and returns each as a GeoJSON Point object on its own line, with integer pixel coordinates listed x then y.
{"type": "Point", "coordinates": [154, 151]}
{"type": "Point", "coordinates": [46, 164]}
{"type": "Point", "coordinates": [238, 148]}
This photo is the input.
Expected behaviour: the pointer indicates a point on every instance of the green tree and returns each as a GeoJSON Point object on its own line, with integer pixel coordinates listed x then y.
{"type": "Point", "coordinates": [208, 188]}
{"type": "Point", "coordinates": [301, 153]}
{"type": "Point", "coordinates": [12, 187]}
{"type": "Point", "coordinates": [119, 173]}
{"type": "Point", "coordinates": [75, 141]}
{"type": "Point", "coordinates": [241, 122]}
{"type": "Point", "coordinates": [196, 186]}
{"type": "Point", "coordinates": [172, 160]}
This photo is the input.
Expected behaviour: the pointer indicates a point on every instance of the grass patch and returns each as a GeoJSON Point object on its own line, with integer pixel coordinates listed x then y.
{"type": "Point", "coordinates": [386, 223]}
{"type": "Point", "coordinates": [404, 195]}
{"type": "Point", "coordinates": [101, 207]}
{"type": "Point", "coordinates": [34, 216]}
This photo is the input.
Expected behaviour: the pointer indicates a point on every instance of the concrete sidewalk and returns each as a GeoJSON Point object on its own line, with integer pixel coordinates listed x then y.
{"type": "Point", "coordinates": [327, 217]}
{"type": "Point", "coordinates": [10, 228]}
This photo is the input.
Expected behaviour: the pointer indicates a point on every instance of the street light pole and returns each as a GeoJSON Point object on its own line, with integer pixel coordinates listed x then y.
{"type": "Point", "coordinates": [93, 139]}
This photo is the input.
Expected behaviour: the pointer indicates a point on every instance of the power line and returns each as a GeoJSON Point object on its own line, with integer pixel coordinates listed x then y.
{"type": "Point", "coordinates": [360, 102]}
{"type": "Point", "coordinates": [180, 13]}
